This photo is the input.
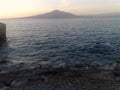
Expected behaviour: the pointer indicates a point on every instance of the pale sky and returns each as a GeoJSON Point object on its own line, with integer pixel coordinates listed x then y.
{"type": "Point", "coordinates": [21, 8]}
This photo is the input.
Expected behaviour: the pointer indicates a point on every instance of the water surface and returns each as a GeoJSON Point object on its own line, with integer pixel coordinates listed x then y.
{"type": "Point", "coordinates": [34, 40]}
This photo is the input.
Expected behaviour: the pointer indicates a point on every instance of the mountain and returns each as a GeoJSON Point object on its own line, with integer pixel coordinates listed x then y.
{"type": "Point", "coordinates": [62, 14]}
{"type": "Point", "coordinates": [55, 14]}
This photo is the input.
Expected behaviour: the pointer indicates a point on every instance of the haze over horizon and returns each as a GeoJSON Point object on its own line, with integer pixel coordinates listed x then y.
{"type": "Point", "coordinates": [23, 8]}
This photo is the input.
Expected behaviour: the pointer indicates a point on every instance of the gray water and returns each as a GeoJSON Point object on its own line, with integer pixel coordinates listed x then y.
{"type": "Point", "coordinates": [34, 40]}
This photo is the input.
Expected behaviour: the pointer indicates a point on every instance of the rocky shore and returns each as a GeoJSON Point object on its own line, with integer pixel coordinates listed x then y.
{"type": "Point", "coordinates": [60, 76]}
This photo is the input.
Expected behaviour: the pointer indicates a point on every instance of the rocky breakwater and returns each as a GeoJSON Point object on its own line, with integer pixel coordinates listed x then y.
{"type": "Point", "coordinates": [2, 32]}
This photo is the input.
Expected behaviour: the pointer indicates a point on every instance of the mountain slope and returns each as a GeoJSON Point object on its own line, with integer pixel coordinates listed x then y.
{"type": "Point", "coordinates": [55, 14]}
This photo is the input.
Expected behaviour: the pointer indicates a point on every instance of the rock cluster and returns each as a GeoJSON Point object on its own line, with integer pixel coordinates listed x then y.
{"type": "Point", "coordinates": [18, 75]}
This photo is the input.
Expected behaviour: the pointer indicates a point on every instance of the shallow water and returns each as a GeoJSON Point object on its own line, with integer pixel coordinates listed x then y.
{"type": "Point", "coordinates": [36, 40]}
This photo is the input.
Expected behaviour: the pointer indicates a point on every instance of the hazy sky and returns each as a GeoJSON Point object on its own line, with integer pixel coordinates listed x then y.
{"type": "Point", "coordinates": [21, 8]}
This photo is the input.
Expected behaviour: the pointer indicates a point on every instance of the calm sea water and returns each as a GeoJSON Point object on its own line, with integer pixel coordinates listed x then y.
{"type": "Point", "coordinates": [34, 40]}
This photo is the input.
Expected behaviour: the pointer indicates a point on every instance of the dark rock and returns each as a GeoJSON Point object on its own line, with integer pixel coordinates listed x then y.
{"type": "Point", "coordinates": [2, 32]}
{"type": "Point", "coordinates": [104, 75]}
{"type": "Point", "coordinates": [59, 64]}
{"type": "Point", "coordinates": [2, 85]}
{"type": "Point", "coordinates": [117, 70]}
{"type": "Point", "coordinates": [87, 65]}
{"type": "Point", "coordinates": [37, 78]}
{"type": "Point", "coordinates": [3, 61]}
{"type": "Point", "coordinates": [5, 88]}
{"type": "Point", "coordinates": [19, 82]}
{"type": "Point", "coordinates": [110, 66]}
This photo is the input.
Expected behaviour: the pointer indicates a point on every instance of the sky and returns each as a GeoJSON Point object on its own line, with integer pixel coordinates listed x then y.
{"type": "Point", "coordinates": [23, 8]}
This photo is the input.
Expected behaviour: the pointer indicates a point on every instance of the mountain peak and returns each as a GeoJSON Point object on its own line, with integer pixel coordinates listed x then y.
{"type": "Point", "coordinates": [56, 10]}
{"type": "Point", "coordinates": [56, 14]}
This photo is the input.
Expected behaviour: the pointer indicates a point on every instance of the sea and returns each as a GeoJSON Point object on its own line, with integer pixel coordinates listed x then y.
{"type": "Point", "coordinates": [35, 40]}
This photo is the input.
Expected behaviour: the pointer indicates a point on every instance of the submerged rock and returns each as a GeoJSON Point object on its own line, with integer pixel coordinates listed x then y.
{"type": "Point", "coordinates": [3, 61]}
{"type": "Point", "coordinates": [117, 70]}
{"type": "Point", "coordinates": [101, 48]}
{"type": "Point", "coordinates": [19, 82]}
{"type": "Point", "coordinates": [110, 66]}
{"type": "Point", "coordinates": [5, 88]}
{"type": "Point", "coordinates": [2, 32]}
{"type": "Point", "coordinates": [2, 85]}
{"type": "Point", "coordinates": [59, 64]}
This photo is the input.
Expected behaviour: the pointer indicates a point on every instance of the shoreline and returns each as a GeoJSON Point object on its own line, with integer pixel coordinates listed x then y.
{"type": "Point", "coordinates": [19, 76]}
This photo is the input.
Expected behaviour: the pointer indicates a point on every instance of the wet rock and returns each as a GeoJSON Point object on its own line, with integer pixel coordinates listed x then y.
{"type": "Point", "coordinates": [117, 70]}
{"type": "Point", "coordinates": [107, 71]}
{"type": "Point", "coordinates": [3, 61]}
{"type": "Point", "coordinates": [1, 85]}
{"type": "Point", "coordinates": [104, 75]}
{"type": "Point", "coordinates": [59, 64]}
{"type": "Point", "coordinates": [5, 88]}
{"type": "Point", "coordinates": [117, 78]}
{"type": "Point", "coordinates": [87, 65]}
{"type": "Point", "coordinates": [19, 82]}
{"type": "Point", "coordinates": [110, 66]}
{"type": "Point", "coordinates": [101, 48]}
{"type": "Point", "coordinates": [78, 65]}
{"type": "Point", "coordinates": [2, 32]}
{"type": "Point", "coordinates": [37, 78]}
